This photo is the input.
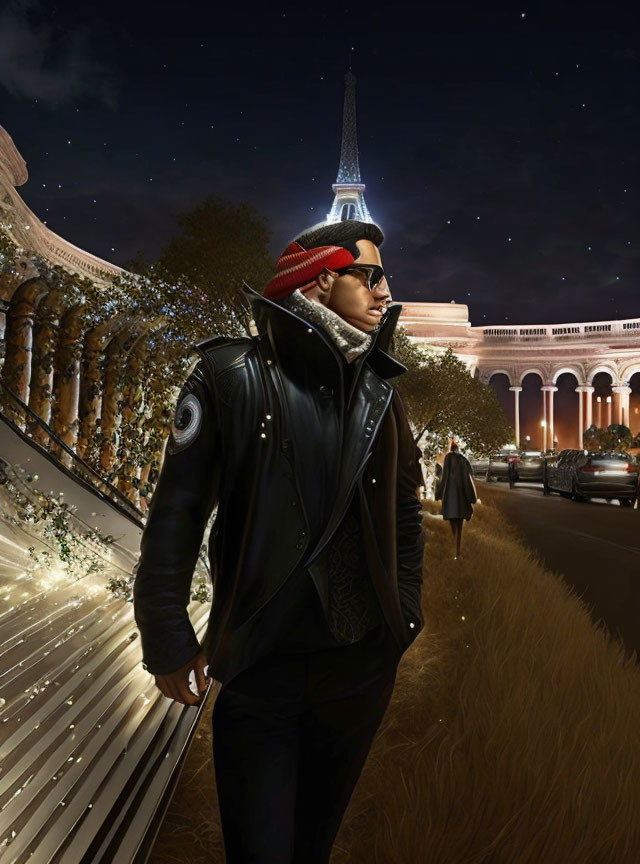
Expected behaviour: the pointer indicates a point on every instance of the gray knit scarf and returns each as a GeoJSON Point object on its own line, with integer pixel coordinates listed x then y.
{"type": "Point", "coordinates": [351, 341]}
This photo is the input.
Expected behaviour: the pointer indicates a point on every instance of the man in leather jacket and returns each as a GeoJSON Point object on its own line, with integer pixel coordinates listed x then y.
{"type": "Point", "coordinates": [299, 439]}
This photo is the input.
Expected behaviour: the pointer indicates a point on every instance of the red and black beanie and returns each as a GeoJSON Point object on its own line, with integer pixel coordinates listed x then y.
{"type": "Point", "coordinates": [298, 268]}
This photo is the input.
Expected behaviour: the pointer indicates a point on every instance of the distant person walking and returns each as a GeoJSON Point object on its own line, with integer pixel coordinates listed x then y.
{"type": "Point", "coordinates": [456, 491]}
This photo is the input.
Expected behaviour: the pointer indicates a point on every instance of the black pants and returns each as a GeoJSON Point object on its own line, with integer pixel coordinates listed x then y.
{"type": "Point", "coordinates": [290, 737]}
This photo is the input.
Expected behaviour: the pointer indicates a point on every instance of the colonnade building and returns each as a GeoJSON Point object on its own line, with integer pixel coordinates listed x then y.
{"type": "Point", "coordinates": [595, 360]}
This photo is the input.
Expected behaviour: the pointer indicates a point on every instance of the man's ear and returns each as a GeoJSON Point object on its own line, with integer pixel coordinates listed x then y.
{"type": "Point", "coordinates": [324, 281]}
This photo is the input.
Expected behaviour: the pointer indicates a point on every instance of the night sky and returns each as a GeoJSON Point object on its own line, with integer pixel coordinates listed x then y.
{"type": "Point", "coordinates": [499, 142]}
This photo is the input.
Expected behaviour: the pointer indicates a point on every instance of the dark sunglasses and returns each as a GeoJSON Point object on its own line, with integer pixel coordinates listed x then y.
{"type": "Point", "coordinates": [373, 272]}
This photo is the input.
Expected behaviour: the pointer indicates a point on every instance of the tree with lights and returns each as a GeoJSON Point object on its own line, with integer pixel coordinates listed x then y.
{"type": "Point", "coordinates": [443, 400]}
{"type": "Point", "coordinates": [129, 344]}
{"type": "Point", "coordinates": [217, 246]}
{"type": "Point", "coordinates": [616, 438]}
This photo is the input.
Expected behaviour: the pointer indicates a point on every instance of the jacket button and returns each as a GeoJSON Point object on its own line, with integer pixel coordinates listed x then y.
{"type": "Point", "coordinates": [411, 624]}
{"type": "Point", "coordinates": [299, 544]}
{"type": "Point", "coordinates": [326, 392]}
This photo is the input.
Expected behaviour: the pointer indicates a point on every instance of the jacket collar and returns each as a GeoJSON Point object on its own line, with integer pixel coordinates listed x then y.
{"type": "Point", "coordinates": [289, 335]}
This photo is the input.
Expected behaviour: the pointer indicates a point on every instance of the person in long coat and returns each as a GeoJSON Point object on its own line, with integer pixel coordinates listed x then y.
{"type": "Point", "coordinates": [457, 492]}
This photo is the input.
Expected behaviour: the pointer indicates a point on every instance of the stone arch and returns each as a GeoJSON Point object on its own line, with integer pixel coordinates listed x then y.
{"type": "Point", "coordinates": [603, 395]}
{"type": "Point", "coordinates": [500, 382]}
{"type": "Point", "coordinates": [531, 408]}
{"type": "Point", "coordinates": [609, 368]}
{"type": "Point", "coordinates": [532, 371]}
{"type": "Point", "coordinates": [16, 369]}
{"type": "Point", "coordinates": [66, 377]}
{"type": "Point", "coordinates": [628, 368]}
{"type": "Point", "coordinates": [576, 371]}
{"type": "Point", "coordinates": [634, 401]}
{"type": "Point", "coordinates": [45, 340]}
{"type": "Point", "coordinates": [567, 407]}
{"type": "Point", "coordinates": [491, 372]}
{"type": "Point", "coordinates": [91, 381]}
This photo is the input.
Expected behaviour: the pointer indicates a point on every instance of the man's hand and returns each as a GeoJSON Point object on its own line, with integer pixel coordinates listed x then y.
{"type": "Point", "coordinates": [176, 685]}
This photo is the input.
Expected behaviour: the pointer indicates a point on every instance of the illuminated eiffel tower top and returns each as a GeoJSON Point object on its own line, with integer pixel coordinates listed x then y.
{"type": "Point", "coordinates": [349, 170]}
{"type": "Point", "coordinates": [348, 189]}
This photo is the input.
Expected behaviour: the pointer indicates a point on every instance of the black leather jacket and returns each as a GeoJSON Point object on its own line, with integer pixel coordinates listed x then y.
{"type": "Point", "coordinates": [257, 397]}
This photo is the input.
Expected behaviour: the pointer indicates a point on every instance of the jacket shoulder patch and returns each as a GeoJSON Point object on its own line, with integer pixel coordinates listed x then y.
{"type": "Point", "coordinates": [187, 422]}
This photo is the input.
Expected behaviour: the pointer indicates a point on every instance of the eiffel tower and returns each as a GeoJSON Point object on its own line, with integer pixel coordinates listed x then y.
{"type": "Point", "coordinates": [348, 202]}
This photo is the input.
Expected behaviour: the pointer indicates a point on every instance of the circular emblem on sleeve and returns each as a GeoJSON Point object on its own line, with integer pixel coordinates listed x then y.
{"type": "Point", "coordinates": [186, 423]}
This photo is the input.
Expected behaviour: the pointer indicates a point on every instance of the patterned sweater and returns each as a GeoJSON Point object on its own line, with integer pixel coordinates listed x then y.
{"type": "Point", "coordinates": [354, 608]}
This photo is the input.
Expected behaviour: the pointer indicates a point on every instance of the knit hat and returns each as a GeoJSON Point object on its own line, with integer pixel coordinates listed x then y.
{"type": "Point", "coordinates": [298, 268]}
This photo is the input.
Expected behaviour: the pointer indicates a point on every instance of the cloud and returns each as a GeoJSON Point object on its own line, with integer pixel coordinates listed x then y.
{"type": "Point", "coordinates": [47, 61]}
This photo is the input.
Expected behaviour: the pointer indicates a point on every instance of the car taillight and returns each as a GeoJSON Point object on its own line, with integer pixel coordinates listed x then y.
{"type": "Point", "coordinates": [514, 458]}
{"type": "Point", "coordinates": [593, 468]}
{"type": "Point", "coordinates": [632, 469]}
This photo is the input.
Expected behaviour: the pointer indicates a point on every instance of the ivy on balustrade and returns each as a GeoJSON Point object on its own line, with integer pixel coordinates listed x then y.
{"type": "Point", "coordinates": [173, 314]}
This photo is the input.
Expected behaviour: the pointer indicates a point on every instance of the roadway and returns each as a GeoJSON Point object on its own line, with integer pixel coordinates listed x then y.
{"type": "Point", "coordinates": [594, 545]}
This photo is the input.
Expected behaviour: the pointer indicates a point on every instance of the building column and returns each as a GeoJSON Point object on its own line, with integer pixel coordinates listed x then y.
{"type": "Point", "coordinates": [585, 410]}
{"type": "Point", "coordinates": [589, 391]}
{"type": "Point", "coordinates": [544, 419]}
{"type": "Point", "coordinates": [581, 404]}
{"type": "Point", "coordinates": [516, 393]}
{"type": "Point", "coordinates": [548, 415]}
{"type": "Point", "coordinates": [617, 405]}
{"type": "Point", "coordinates": [622, 393]}
{"type": "Point", "coordinates": [552, 429]}
{"type": "Point", "coordinates": [626, 412]}
{"type": "Point", "coordinates": [609, 420]}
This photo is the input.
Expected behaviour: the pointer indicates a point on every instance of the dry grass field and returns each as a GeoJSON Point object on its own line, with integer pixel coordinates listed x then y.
{"type": "Point", "coordinates": [512, 736]}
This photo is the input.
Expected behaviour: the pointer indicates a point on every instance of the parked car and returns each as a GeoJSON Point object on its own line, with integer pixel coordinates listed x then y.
{"type": "Point", "coordinates": [581, 475]}
{"type": "Point", "coordinates": [498, 468]}
{"type": "Point", "coordinates": [479, 465]}
{"type": "Point", "coordinates": [526, 467]}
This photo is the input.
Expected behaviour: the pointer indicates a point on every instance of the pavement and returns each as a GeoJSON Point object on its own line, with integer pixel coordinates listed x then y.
{"type": "Point", "coordinates": [594, 545]}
